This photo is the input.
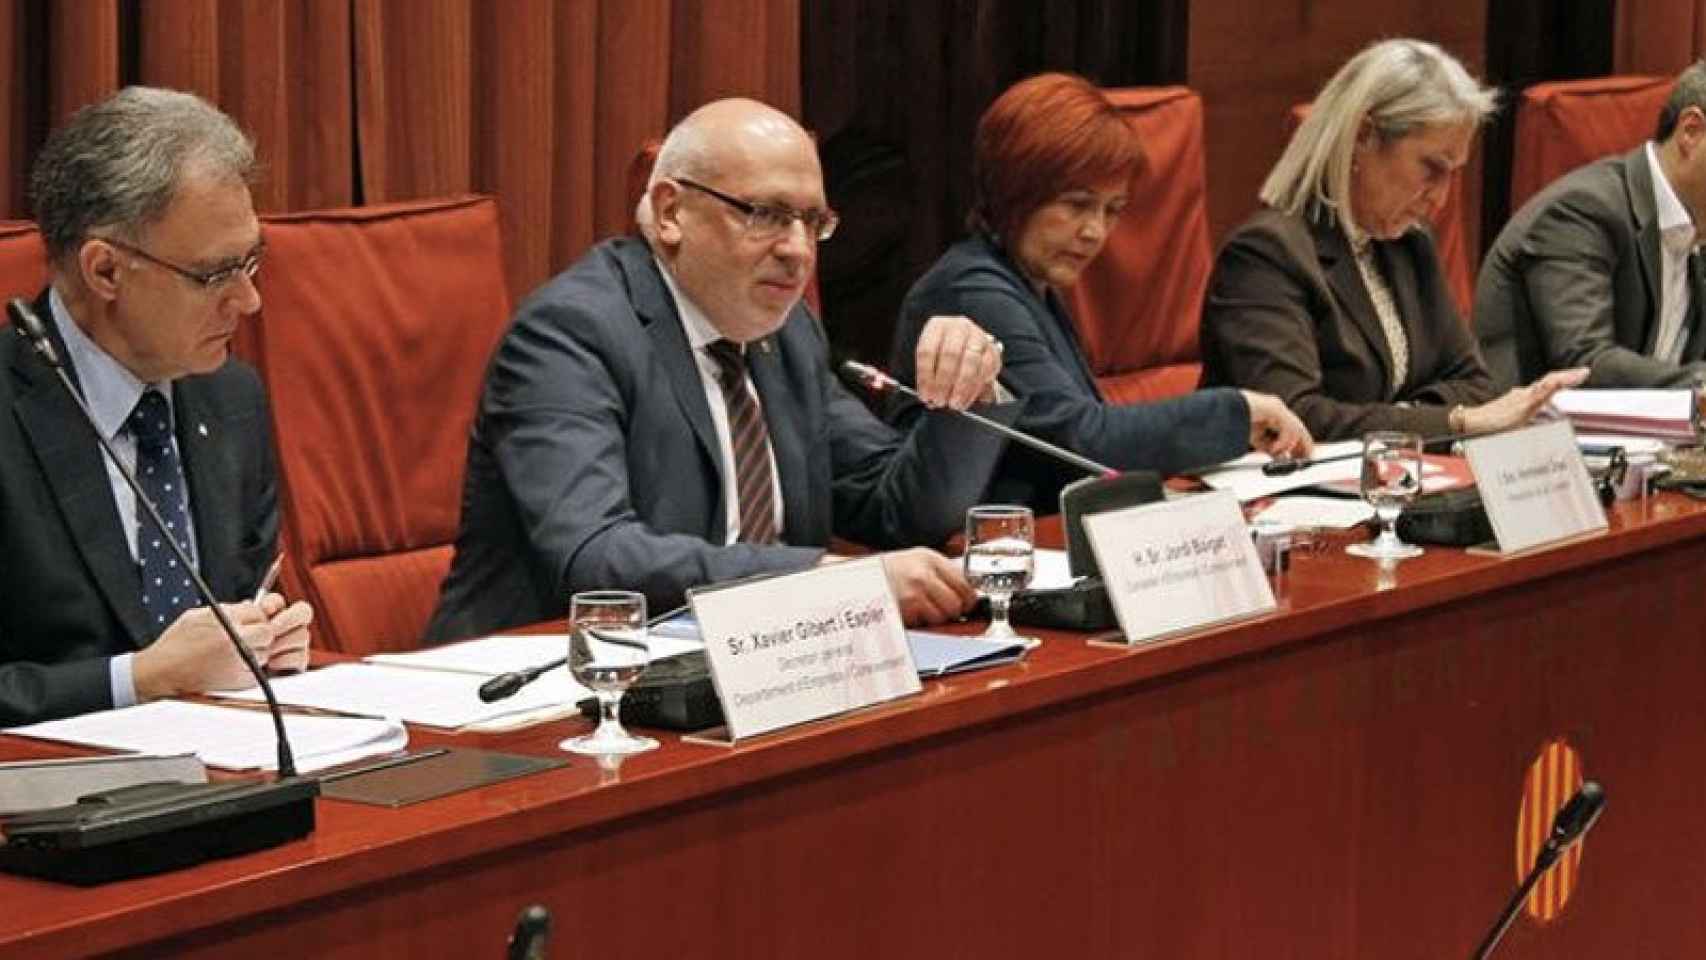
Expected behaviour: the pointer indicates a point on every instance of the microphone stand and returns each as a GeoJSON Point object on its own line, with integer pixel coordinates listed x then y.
{"type": "Point", "coordinates": [879, 382]}
{"type": "Point", "coordinates": [1573, 821]}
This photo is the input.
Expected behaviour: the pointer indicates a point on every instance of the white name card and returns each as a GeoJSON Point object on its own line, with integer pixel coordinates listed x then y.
{"type": "Point", "coordinates": [1178, 565]}
{"type": "Point", "coordinates": [788, 650]}
{"type": "Point", "coordinates": [1535, 486]}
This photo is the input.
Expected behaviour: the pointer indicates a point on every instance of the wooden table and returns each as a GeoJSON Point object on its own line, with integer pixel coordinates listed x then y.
{"type": "Point", "coordinates": [1341, 779]}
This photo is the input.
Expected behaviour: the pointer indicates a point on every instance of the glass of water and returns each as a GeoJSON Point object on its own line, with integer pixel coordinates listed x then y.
{"type": "Point", "coordinates": [607, 653]}
{"type": "Point", "coordinates": [1391, 478]}
{"type": "Point", "coordinates": [1000, 543]}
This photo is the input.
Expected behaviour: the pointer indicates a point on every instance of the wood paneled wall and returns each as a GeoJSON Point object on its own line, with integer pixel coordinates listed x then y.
{"type": "Point", "coordinates": [1252, 62]}
{"type": "Point", "coordinates": [541, 102]}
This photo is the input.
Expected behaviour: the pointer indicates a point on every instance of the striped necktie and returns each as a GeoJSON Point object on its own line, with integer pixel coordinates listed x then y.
{"type": "Point", "coordinates": [755, 490]}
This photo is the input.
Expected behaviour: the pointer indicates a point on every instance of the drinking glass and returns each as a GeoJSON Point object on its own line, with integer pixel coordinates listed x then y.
{"type": "Point", "coordinates": [1000, 543]}
{"type": "Point", "coordinates": [607, 652]}
{"type": "Point", "coordinates": [1391, 478]}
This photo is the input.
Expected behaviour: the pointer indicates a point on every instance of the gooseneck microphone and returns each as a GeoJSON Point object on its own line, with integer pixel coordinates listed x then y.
{"type": "Point", "coordinates": [30, 327]}
{"type": "Point", "coordinates": [879, 382]}
{"type": "Point", "coordinates": [1573, 821]}
{"type": "Point", "coordinates": [506, 685]}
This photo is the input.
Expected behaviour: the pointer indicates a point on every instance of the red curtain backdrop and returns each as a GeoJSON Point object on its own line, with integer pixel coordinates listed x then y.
{"type": "Point", "coordinates": [540, 102]}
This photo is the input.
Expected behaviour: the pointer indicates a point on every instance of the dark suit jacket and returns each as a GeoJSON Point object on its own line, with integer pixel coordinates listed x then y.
{"type": "Point", "coordinates": [593, 462]}
{"type": "Point", "coordinates": [1287, 312]}
{"type": "Point", "coordinates": [1574, 281]}
{"type": "Point", "coordinates": [70, 597]}
{"type": "Point", "coordinates": [1043, 363]}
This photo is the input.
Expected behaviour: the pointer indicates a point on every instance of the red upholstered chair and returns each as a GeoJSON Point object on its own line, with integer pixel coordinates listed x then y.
{"type": "Point", "coordinates": [1567, 123]}
{"type": "Point", "coordinates": [376, 326]}
{"type": "Point", "coordinates": [1450, 236]}
{"type": "Point", "coordinates": [23, 262]}
{"type": "Point", "coordinates": [1137, 307]}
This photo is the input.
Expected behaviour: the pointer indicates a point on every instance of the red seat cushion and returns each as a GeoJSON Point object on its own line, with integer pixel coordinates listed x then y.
{"type": "Point", "coordinates": [23, 261]}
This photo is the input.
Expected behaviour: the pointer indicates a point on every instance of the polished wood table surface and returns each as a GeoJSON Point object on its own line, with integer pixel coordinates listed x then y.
{"type": "Point", "coordinates": [1340, 779]}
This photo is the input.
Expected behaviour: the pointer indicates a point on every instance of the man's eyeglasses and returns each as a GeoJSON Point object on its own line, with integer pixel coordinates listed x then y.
{"type": "Point", "coordinates": [209, 280]}
{"type": "Point", "coordinates": [771, 219]}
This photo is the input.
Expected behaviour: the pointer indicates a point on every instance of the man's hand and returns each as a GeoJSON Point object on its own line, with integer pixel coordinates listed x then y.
{"type": "Point", "coordinates": [957, 363]}
{"type": "Point", "coordinates": [1275, 430]}
{"type": "Point", "coordinates": [929, 587]}
{"type": "Point", "coordinates": [288, 652]}
{"type": "Point", "coordinates": [194, 655]}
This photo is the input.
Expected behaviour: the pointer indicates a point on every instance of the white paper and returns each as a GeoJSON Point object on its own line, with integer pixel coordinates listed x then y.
{"type": "Point", "coordinates": [1050, 570]}
{"type": "Point", "coordinates": [1245, 479]}
{"type": "Point", "coordinates": [1632, 446]}
{"type": "Point", "coordinates": [434, 698]}
{"type": "Point", "coordinates": [1667, 414]}
{"type": "Point", "coordinates": [1320, 513]}
{"type": "Point", "coordinates": [490, 656]}
{"type": "Point", "coordinates": [231, 738]}
{"type": "Point", "coordinates": [1178, 565]}
{"type": "Point", "coordinates": [1535, 486]}
{"type": "Point", "coordinates": [792, 649]}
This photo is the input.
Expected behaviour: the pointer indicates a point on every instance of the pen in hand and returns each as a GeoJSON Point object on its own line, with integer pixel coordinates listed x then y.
{"type": "Point", "coordinates": [271, 579]}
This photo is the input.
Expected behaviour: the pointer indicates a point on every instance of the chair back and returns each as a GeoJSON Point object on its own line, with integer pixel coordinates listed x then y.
{"type": "Point", "coordinates": [1567, 123]}
{"type": "Point", "coordinates": [23, 262]}
{"type": "Point", "coordinates": [1138, 306]}
{"type": "Point", "coordinates": [376, 326]}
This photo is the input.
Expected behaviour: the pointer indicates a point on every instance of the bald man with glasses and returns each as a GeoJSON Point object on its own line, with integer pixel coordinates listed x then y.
{"type": "Point", "coordinates": [662, 414]}
{"type": "Point", "coordinates": [152, 246]}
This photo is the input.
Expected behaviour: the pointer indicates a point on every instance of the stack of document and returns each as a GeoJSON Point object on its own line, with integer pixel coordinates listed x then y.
{"type": "Point", "coordinates": [1244, 476]}
{"type": "Point", "coordinates": [433, 698]}
{"type": "Point", "coordinates": [1662, 414]}
{"type": "Point", "coordinates": [228, 737]}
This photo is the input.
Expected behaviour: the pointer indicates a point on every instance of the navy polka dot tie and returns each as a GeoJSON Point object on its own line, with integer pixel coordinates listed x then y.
{"type": "Point", "coordinates": [166, 587]}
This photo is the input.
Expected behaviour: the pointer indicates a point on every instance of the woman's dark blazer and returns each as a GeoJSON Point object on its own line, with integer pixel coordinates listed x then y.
{"type": "Point", "coordinates": [1043, 363]}
{"type": "Point", "coordinates": [1287, 313]}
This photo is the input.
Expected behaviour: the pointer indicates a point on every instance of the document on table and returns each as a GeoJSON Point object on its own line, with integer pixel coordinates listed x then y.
{"type": "Point", "coordinates": [1050, 570]}
{"type": "Point", "coordinates": [434, 698]}
{"type": "Point", "coordinates": [490, 656]}
{"type": "Point", "coordinates": [232, 738]}
{"type": "Point", "coordinates": [1321, 513]}
{"type": "Point", "coordinates": [1665, 414]}
{"type": "Point", "coordinates": [1244, 476]}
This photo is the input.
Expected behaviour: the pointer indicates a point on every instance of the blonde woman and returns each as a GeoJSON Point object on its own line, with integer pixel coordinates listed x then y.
{"type": "Point", "coordinates": [1331, 297]}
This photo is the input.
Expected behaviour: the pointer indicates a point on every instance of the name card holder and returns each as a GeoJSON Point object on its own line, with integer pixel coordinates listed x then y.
{"type": "Point", "coordinates": [1178, 566]}
{"type": "Point", "coordinates": [1535, 487]}
{"type": "Point", "coordinates": [802, 647]}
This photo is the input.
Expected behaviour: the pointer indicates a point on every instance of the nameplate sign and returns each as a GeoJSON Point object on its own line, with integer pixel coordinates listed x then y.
{"type": "Point", "coordinates": [788, 650]}
{"type": "Point", "coordinates": [1535, 486]}
{"type": "Point", "coordinates": [1178, 565]}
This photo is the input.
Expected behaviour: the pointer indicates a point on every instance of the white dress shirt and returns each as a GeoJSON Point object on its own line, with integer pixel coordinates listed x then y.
{"type": "Point", "coordinates": [1676, 242]}
{"type": "Point", "coordinates": [700, 332]}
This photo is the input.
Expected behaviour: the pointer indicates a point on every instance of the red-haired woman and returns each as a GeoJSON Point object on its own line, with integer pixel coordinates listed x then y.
{"type": "Point", "coordinates": [1051, 166]}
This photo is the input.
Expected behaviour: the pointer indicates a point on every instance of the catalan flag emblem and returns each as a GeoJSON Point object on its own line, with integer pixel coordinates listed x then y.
{"type": "Point", "coordinates": [1555, 775]}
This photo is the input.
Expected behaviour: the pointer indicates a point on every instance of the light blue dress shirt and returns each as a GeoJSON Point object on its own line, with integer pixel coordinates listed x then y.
{"type": "Point", "coordinates": [111, 391]}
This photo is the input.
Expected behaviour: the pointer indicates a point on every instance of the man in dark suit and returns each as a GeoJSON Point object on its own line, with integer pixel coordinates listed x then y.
{"type": "Point", "coordinates": [662, 414]}
{"type": "Point", "coordinates": [152, 243]}
{"type": "Point", "coordinates": [1599, 270]}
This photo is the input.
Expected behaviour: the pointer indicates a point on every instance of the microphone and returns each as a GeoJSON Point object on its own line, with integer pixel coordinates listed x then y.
{"type": "Point", "coordinates": [160, 826]}
{"type": "Point", "coordinates": [506, 685]}
{"type": "Point", "coordinates": [1572, 822]}
{"type": "Point", "coordinates": [879, 382]}
{"type": "Point", "coordinates": [1285, 468]}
